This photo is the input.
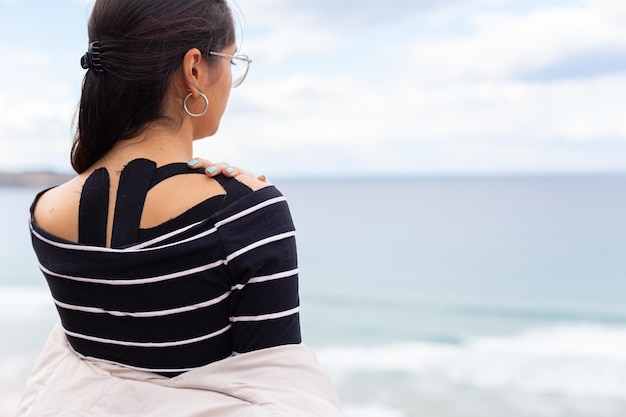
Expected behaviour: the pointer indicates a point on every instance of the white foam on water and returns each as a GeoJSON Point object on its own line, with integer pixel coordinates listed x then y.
{"type": "Point", "coordinates": [25, 303]}
{"type": "Point", "coordinates": [9, 403]}
{"type": "Point", "coordinates": [13, 374]}
{"type": "Point", "coordinates": [373, 410]}
{"type": "Point", "coordinates": [14, 367]}
{"type": "Point", "coordinates": [585, 360]}
{"type": "Point", "coordinates": [576, 341]}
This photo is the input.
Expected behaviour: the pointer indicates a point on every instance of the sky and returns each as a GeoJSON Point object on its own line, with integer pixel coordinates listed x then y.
{"type": "Point", "coordinates": [364, 88]}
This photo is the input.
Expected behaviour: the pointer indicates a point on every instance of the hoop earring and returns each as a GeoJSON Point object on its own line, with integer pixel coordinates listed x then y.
{"type": "Point", "coordinates": [206, 105]}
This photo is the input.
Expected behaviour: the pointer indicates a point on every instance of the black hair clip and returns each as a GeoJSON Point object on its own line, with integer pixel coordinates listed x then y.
{"type": "Point", "coordinates": [91, 60]}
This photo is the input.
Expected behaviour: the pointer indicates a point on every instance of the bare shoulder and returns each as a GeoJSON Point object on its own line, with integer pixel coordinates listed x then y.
{"type": "Point", "coordinates": [179, 193]}
{"type": "Point", "coordinates": [56, 210]}
{"type": "Point", "coordinates": [253, 183]}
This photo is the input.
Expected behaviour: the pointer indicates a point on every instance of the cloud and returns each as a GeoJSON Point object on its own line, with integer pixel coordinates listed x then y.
{"type": "Point", "coordinates": [283, 44]}
{"type": "Point", "coordinates": [476, 86]}
{"type": "Point", "coordinates": [311, 124]}
{"type": "Point", "coordinates": [36, 109]}
{"type": "Point", "coordinates": [460, 86]}
{"type": "Point", "coordinates": [15, 58]}
{"type": "Point", "coordinates": [585, 64]}
{"type": "Point", "coordinates": [292, 27]}
{"type": "Point", "coordinates": [34, 131]}
{"type": "Point", "coordinates": [351, 14]}
{"type": "Point", "coordinates": [448, 102]}
{"type": "Point", "coordinates": [504, 44]}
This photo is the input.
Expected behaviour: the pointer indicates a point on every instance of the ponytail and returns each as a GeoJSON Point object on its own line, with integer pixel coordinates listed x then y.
{"type": "Point", "coordinates": [139, 46]}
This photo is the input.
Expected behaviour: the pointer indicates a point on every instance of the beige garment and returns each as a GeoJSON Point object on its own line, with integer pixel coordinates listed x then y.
{"type": "Point", "coordinates": [280, 381]}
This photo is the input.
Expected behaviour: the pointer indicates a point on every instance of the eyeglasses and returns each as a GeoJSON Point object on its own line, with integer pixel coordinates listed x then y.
{"type": "Point", "coordinates": [240, 65]}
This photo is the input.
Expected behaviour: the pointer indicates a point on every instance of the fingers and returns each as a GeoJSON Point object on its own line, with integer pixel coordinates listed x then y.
{"type": "Point", "coordinates": [213, 169]}
{"type": "Point", "coordinates": [255, 175]}
{"type": "Point", "coordinates": [222, 168]}
{"type": "Point", "coordinates": [197, 163]}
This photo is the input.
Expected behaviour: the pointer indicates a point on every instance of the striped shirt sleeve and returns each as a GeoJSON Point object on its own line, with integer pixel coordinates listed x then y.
{"type": "Point", "coordinates": [262, 263]}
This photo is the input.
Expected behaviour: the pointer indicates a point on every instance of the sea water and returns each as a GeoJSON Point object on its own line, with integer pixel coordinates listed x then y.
{"type": "Point", "coordinates": [437, 297]}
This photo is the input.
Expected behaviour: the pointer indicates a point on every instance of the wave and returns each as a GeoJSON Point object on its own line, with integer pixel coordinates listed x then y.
{"type": "Point", "coordinates": [372, 410]}
{"type": "Point", "coordinates": [584, 360]}
{"type": "Point", "coordinates": [378, 303]}
{"type": "Point", "coordinates": [25, 303]}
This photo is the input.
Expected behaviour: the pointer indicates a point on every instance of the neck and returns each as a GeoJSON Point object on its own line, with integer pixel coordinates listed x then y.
{"type": "Point", "coordinates": [159, 144]}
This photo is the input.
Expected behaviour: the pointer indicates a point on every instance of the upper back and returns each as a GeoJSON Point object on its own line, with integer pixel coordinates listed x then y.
{"type": "Point", "coordinates": [58, 210]}
{"type": "Point", "coordinates": [221, 277]}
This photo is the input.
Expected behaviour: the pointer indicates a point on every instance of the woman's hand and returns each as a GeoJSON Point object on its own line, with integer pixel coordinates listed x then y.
{"type": "Point", "coordinates": [223, 168]}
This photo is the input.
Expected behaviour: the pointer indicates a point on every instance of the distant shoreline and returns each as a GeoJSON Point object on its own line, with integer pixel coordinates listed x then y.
{"type": "Point", "coordinates": [32, 179]}
{"type": "Point", "coordinates": [43, 179]}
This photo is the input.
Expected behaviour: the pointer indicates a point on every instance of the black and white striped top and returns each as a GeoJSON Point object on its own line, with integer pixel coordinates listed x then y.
{"type": "Point", "coordinates": [219, 279]}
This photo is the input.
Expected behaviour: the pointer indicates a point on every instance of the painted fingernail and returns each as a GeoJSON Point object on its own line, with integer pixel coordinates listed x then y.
{"type": "Point", "coordinates": [211, 170]}
{"type": "Point", "coordinates": [192, 163]}
{"type": "Point", "coordinates": [230, 170]}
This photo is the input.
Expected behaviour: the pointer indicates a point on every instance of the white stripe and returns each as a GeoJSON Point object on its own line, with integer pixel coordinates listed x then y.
{"type": "Point", "coordinates": [259, 243]}
{"type": "Point", "coordinates": [232, 218]}
{"type": "Point", "coordinates": [250, 210]}
{"type": "Point", "coordinates": [74, 246]}
{"type": "Point", "coordinates": [266, 278]}
{"type": "Point", "coordinates": [174, 275]}
{"type": "Point", "coordinates": [137, 281]}
{"type": "Point", "coordinates": [148, 344]}
{"type": "Point", "coordinates": [163, 237]}
{"type": "Point", "coordinates": [180, 242]}
{"type": "Point", "coordinates": [158, 313]}
{"type": "Point", "coordinates": [264, 317]}
{"type": "Point", "coordinates": [141, 247]}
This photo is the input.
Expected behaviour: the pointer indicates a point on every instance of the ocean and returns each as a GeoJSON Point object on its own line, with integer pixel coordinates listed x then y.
{"type": "Point", "coordinates": [438, 297]}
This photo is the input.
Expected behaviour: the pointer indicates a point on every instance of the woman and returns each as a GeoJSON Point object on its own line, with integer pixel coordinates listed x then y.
{"type": "Point", "coordinates": [177, 293]}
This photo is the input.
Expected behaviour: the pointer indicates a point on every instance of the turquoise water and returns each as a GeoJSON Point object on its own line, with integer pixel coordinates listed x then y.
{"type": "Point", "coordinates": [457, 257]}
{"type": "Point", "coordinates": [439, 297]}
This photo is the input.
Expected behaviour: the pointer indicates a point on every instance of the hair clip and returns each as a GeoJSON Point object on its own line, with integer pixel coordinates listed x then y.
{"type": "Point", "coordinates": [91, 60]}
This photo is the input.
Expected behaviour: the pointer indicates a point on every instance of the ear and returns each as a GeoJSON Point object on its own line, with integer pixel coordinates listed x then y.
{"type": "Point", "coordinates": [194, 71]}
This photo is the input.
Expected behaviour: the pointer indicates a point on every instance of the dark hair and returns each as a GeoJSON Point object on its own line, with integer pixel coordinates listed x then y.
{"type": "Point", "coordinates": [141, 46]}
